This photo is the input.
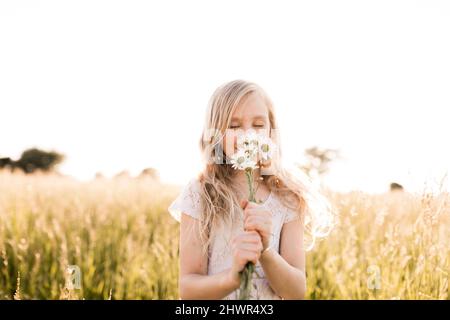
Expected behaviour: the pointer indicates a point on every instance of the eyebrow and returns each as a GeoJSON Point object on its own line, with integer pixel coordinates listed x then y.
{"type": "Point", "coordinates": [254, 118]}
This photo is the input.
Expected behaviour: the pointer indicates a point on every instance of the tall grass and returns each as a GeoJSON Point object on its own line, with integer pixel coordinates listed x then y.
{"type": "Point", "coordinates": [386, 246]}
{"type": "Point", "coordinates": [119, 234]}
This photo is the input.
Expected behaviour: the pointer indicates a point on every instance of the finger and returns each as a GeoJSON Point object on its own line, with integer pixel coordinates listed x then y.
{"type": "Point", "coordinates": [239, 239]}
{"type": "Point", "coordinates": [265, 163]}
{"type": "Point", "coordinates": [252, 234]}
{"type": "Point", "coordinates": [250, 256]}
{"type": "Point", "coordinates": [254, 221]}
{"type": "Point", "coordinates": [253, 239]}
{"type": "Point", "coordinates": [251, 226]}
{"type": "Point", "coordinates": [251, 247]}
{"type": "Point", "coordinates": [255, 212]}
{"type": "Point", "coordinates": [255, 217]}
{"type": "Point", "coordinates": [258, 218]}
{"type": "Point", "coordinates": [259, 222]}
{"type": "Point", "coordinates": [262, 230]}
{"type": "Point", "coordinates": [247, 235]}
{"type": "Point", "coordinates": [252, 205]}
{"type": "Point", "coordinates": [249, 212]}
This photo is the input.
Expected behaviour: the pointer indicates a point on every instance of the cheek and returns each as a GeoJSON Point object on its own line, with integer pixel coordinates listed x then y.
{"type": "Point", "coordinates": [229, 143]}
{"type": "Point", "coordinates": [264, 131]}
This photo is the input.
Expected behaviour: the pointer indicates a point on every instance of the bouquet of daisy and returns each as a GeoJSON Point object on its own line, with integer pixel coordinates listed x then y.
{"type": "Point", "coordinates": [253, 150]}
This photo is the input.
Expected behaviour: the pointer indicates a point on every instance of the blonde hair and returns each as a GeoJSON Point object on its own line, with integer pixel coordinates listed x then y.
{"type": "Point", "coordinates": [219, 201]}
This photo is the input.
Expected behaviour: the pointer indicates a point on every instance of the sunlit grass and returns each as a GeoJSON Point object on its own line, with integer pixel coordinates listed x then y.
{"type": "Point", "coordinates": [119, 234]}
{"type": "Point", "coordinates": [386, 246]}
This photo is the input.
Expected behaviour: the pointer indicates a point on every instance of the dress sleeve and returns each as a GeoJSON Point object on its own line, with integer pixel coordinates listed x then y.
{"type": "Point", "coordinates": [291, 215]}
{"type": "Point", "coordinates": [188, 201]}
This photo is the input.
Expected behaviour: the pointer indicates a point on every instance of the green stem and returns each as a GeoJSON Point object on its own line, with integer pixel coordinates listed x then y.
{"type": "Point", "coordinates": [251, 191]}
{"type": "Point", "coordinates": [246, 274]}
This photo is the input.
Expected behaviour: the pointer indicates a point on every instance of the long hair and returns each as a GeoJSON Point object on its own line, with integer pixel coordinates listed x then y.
{"type": "Point", "coordinates": [218, 195]}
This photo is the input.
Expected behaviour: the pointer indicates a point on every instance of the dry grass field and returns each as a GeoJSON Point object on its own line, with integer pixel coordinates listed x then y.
{"type": "Point", "coordinates": [125, 244]}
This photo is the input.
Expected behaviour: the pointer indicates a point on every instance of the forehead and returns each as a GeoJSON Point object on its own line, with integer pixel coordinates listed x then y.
{"type": "Point", "coordinates": [252, 106]}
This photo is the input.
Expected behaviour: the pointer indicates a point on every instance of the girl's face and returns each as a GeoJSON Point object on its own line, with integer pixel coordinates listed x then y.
{"type": "Point", "coordinates": [251, 113]}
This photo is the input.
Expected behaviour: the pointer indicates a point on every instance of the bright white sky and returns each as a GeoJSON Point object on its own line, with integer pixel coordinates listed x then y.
{"type": "Point", "coordinates": [106, 82]}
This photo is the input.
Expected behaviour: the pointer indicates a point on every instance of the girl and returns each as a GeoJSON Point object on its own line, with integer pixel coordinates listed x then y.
{"type": "Point", "coordinates": [220, 231]}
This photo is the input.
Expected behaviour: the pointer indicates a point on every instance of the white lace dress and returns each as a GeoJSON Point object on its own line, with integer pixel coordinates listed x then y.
{"type": "Point", "coordinates": [188, 202]}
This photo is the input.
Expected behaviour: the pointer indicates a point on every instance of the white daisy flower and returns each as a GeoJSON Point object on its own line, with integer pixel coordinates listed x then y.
{"type": "Point", "coordinates": [266, 147]}
{"type": "Point", "coordinates": [248, 140]}
{"type": "Point", "coordinates": [243, 160]}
